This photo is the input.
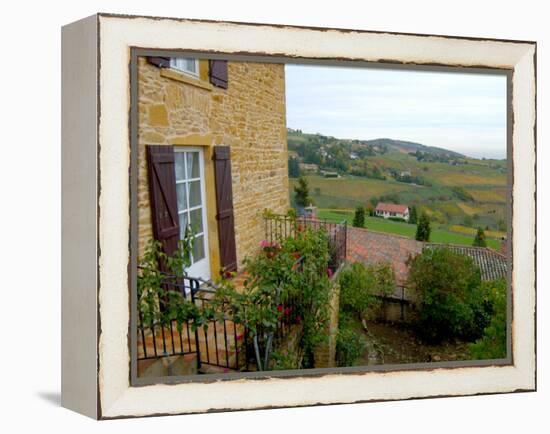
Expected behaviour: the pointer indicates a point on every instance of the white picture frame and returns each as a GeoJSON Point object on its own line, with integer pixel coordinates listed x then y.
{"type": "Point", "coordinates": [96, 302]}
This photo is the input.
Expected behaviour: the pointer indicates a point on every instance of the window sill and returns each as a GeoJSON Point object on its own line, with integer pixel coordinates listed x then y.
{"type": "Point", "coordinates": [184, 78]}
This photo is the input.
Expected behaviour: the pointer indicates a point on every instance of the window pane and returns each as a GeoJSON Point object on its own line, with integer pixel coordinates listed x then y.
{"type": "Point", "coordinates": [180, 166]}
{"type": "Point", "coordinates": [196, 221]}
{"type": "Point", "coordinates": [194, 193]}
{"type": "Point", "coordinates": [182, 196]}
{"type": "Point", "coordinates": [186, 64]}
{"type": "Point", "coordinates": [183, 225]}
{"type": "Point", "coordinates": [191, 64]}
{"type": "Point", "coordinates": [193, 170]}
{"type": "Point", "coordinates": [198, 248]}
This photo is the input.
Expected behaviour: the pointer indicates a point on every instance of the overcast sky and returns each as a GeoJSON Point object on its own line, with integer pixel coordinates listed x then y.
{"type": "Point", "coordinates": [465, 113]}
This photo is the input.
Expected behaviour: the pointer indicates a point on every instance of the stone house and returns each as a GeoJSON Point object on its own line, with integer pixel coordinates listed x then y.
{"type": "Point", "coordinates": [212, 156]}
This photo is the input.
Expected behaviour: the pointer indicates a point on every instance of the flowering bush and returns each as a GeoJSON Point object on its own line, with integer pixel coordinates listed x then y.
{"type": "Point", "coordinates": [159, 299]}
{"type": "Point", "coordinates": [294, 268]}
{"type": "Point", "coordinates": [288, 269]}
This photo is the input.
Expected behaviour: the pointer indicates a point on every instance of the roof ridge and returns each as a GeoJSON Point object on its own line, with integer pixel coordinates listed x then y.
{"type": "Point", "coordinates": [462, 246]}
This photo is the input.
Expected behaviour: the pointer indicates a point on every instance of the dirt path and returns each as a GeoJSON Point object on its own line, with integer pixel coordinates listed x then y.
{"type": "Point", "coordinates": [394, 344]}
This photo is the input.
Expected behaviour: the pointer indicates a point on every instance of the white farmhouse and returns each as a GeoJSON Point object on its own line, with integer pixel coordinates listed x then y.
{"type": "Point", "coordinates": [388, 210]}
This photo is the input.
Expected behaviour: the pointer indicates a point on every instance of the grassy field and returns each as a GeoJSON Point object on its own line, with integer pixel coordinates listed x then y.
{"type": "Point", "coordinates": [353, 191]}
{"type": "Point", "coordinates": [486, 209]}
{"type": "Point", "coordinates": [439, 235]}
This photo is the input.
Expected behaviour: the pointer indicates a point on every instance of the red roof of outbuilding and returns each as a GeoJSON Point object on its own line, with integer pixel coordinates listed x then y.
{"type": "Point", "coordinates": [391, 207]}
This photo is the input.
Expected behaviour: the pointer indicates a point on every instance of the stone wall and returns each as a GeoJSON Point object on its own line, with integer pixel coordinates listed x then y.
{"type": "Point", "coordinates": [325, 354]}
{"type": "Point", "coordinates": [249, 116]}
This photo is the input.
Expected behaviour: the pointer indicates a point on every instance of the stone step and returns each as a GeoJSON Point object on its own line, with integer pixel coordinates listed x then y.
{"type": "Point", "coordinates": [168, 366]}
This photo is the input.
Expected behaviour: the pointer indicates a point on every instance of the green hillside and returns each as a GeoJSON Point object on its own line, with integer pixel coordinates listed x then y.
{"type": "Point", "coordinates": [459, 193]}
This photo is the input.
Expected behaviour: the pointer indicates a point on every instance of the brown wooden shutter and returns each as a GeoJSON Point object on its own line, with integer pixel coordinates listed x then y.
{"type": "Point", "coordinates": [224, 204]}
{"type": "Point", "coordinates": [162, 191]}
{"type": "Point", "coordinates": [161, 62]}
{"type": "Point", "coordinates": [218, 73]}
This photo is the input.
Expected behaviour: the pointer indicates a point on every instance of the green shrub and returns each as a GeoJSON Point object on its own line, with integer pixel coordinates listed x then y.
{"type": "Point", "coordinates": [423, 228]}
{"type": "Point", "coordinates": [413, 216]}
{"type": "Point", "coordinates": [492, 345]}
{"type": "Point", "coordinates": [359, 285]}
{"type": "Point", "coordinates": [359, 217]}
{"type": "Point", "coordinates": [451, 299]}
{"type": "Point", "coordinates": [301, 192]}
{"type": "Point", "coordinates": [479, 240]}
{"type": "Point", "coordinates": [350, 344]}
{"type": "Point", "coordinates": [286, 360]}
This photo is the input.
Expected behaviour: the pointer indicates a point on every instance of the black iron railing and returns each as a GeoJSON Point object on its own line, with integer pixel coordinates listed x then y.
{"type": "Point", "coordinates": [217, 344]}
{"type": "Point", "coordinates": [279, 227]}
{"type": "Point", "coordinates": [222, 343]}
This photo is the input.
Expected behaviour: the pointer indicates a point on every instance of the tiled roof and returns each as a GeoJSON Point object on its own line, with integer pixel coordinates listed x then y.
{"type": "Point", "coordinates": [371, 247]}
{"type": "Point", "coordinates": [374, 247]}
{"type": "Point", "coordinates": [491, 263]}
{"type": "Point", "coordinates": [391, 207]}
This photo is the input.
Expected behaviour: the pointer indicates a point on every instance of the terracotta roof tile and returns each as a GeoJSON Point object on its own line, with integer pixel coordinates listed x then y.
{"type": "Point", "coordinates": [374, 247]}
{"type": "Point", "coordinates": [391, 207]}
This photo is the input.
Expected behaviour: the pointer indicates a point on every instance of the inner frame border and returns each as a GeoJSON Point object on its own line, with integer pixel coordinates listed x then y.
{"type": "Point", "coordinates": [136, 52]}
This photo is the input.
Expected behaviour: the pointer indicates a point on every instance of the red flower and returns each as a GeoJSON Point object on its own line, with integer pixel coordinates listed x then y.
{"type": "Point", "coordinates": [228, 275]}
{"type": "Point", "coordinates": [288, 310]}
{"type": "Point", "coordinates": [298, 319]}
{"type": "Point", "coordinates": [329, 272]}
{"type": "Point", "coordinates": [280, 308]}
{"type": "Point", "coordinates": [239, 337]}
{"type": "Point", "coordinates": [299, 228]}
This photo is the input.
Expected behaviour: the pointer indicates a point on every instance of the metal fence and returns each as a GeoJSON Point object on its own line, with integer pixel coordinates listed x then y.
{"type": "Point", "coordinates": [221, 343]}
{"type": "Point", "coordinates": [217, 344]}
{"type": "Point", "coordinates": [281, 226]}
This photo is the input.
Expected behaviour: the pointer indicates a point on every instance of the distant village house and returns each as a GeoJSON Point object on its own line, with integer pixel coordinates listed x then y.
{"type": "Point", "coordinates": [309, 167]}
{"type": "Point", "coordinates": [387, 210]}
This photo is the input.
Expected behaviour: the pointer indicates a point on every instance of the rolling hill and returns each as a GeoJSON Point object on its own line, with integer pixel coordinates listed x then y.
{"type": "Point", "coordinates": [459, 193]}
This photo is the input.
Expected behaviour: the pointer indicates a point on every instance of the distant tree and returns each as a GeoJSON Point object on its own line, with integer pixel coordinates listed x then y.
{"type": "Point", "coordinates": [369, 210]}
{"type": "Point", "coordinates": [423, 228]}
{"type": "Point", "coordinates": [301, 192]}
{"type": "Point", "coordinates": [293, 168]}
{"type": "Point", "coordinates": [359, 217]}
{"type": "Point", "coordinates": [413, 216]}
{"type": "Point", "coordinates": [501, 225]}
{"type": "Point", "coordinates": [479, 240]}
{"type": "Point", "coordinates": [373, 200]}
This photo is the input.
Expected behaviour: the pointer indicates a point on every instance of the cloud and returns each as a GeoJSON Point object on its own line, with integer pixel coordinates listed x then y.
{"type": "Point", "coordinates": [463, 112]}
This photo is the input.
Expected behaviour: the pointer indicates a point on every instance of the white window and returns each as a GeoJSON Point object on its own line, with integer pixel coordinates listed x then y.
{"type": "Point", "coordinates": [190, 191]}
{"type": "Point", "coordinates": [187, 65]}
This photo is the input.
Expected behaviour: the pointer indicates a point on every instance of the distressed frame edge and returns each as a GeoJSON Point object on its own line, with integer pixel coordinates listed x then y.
{"type": "Point", "coordinates": [79, 135]}
{"type": "Point", "coordinates": [417, 397]}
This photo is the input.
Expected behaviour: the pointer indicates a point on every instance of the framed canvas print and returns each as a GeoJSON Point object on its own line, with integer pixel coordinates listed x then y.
{"type": "Point", "coordinates": [262, 216]}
